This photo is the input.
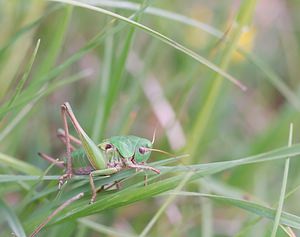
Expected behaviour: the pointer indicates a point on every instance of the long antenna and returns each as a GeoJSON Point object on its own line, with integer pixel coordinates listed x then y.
{"type": "Point", "coordinates": [153, 137]}
{"type": "Point", "coordinates": [161, 151]}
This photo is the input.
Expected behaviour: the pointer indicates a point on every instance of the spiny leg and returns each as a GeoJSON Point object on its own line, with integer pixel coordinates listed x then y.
{"type": "Point", "coordinates": [63, 140]}
{"type": "Point", "coordinates": [116, 183]}
{"type": "Point", "coordinates": [61, 136]}
{"type": "Point", "coordinates": [134, 163]}
{"type": "Point", "coordinates": [69, 172]}
{"type": "Point", "coordinates": [108, 171]}
{"type": "Point", "coordinates": [50, 159]}
{"type": "Point", "coordinates": [93, 188]}
{"type": "Point", "coordinates": [144, 167]}
{"type": "Point", "coordinates": [54, 213]}
{"type": "Point", "coordinates": [95, 156]}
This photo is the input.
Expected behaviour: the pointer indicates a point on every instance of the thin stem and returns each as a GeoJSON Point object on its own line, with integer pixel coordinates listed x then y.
{"type": "Point", "coordinates": [56, 211]}
{"type": "Point", "coordinates": [283, 187]}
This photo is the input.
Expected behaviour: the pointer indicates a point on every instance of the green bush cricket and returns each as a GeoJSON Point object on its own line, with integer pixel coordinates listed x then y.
{"type": "Point", "coordinates": [107, 158]}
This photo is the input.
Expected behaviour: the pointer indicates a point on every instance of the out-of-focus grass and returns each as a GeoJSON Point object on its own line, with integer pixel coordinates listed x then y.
{"type": "Point", "coordinates": [131, 68]}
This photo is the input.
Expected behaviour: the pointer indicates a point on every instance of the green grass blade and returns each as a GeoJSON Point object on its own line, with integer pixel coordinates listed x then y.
{"type": "Point", "coordinates": [103, 229]}
{"type": "Point", "coordinates": [134, 194]}
{"type": "Point", "coordinates": [256, 208]}
{"type": "Point", "coordinates": [38, 95]}
{"type": "Point", "coordinates": [274, 79]}
{"type": "Point", "coordinates": [205, 112]}
{"type": "Point", "coordinates": [17, 119]}
{"type": "Point", "coordinates": [56, 85]}
{"type": "Point", "coordinates": [161, 13]}
{"type": "Point", "coordinates": [213, 167]}
{"type": "Point", "coordinates": [161, 37]}
{"type": "Point", "coordinates": [55, 43]}
{"type": "Point", "coordinates": [117, 72]}
{"type": "Point", "coordinates": [207, 212]}
{"type": "Point", "coordinates": [28, 95]}
{"type": "Point", "coordinates": [26, 29]}
{"type": "Point", "coordinates": [283, 188]}
{"type": "Point", "coordinates": [103, 85]}
{"type": "Point", "coordinates": [13, 221]}
{"type": "Point", "coordinates": [19, 165]}
{"type": "Point", "coordinates": [25, 76]}
{"type": "Point", "coordinates": [164, 206]}
{"type": "Point", "coordinates": [55, 212]}
{"type": "Point", "coordinates": [202, 169]}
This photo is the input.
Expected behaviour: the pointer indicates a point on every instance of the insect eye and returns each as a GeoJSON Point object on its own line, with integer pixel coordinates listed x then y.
{"type": "Point", "coordinates": [108, 146]}
{"type": "Point", "coordinates": [143, 150]}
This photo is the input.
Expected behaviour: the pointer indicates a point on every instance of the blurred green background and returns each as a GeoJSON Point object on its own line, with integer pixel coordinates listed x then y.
{"type": "Point", "coordinates": [122, 78]}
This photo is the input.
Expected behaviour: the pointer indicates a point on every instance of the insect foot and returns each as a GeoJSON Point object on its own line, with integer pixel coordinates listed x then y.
{"type": "Point", "coordinates": [92, 201]}
{"type": "Point", "coordinates": [63, 179]}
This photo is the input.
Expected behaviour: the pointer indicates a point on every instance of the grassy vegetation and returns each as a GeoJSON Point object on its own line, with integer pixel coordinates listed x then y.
{"type": "Point", "coordinates": [218, 80]}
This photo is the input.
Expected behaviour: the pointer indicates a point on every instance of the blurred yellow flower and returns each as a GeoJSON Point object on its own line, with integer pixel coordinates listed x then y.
{"type": "Point", "coordinates": [246, 43]}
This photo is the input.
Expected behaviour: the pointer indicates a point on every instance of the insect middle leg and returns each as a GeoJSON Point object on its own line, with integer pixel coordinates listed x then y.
{"type": "Point", "coordinates": [108, 171]}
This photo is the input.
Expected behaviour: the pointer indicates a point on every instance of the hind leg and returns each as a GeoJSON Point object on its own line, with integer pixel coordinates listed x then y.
{"type": "Point", "coordinates": [50, 159]}
{"type": "Point", "coordinates": [66, 140]}
{"type": "Point", "coordinates": [61, 136]}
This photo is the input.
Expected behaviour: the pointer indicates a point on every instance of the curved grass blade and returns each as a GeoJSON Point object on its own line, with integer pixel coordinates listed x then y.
{"type": "Point", "coordinates": [201, 169]}
{"type": "Point", "coordinates": [161, 37]}
{"type": "Point", "coordinates": [25, 75]}
{"type": "Point", "coordinates": [275, 80]}
{"type": "Point", "coordinates": [55, 42]}
{"type": "Point", "coordinates": [26, 28]}
{"type": "Point", "coordinates": [114, 83]}
{"type": "Point", "coordinates": [36, 86]}
{"type": "Point", "coordinates": [256, 208]}
{"type": "Point", "coordinates": [6, 178]}
{"type": "Point", "coordinates": [46, 90]}
{"type": "Point", "coordinates": [12, 219]}
{"type": "Point", "coordinates": [164, 206]}
{"type": "Point", "coordinates": [55, 212]}
{"type": "Point", "coordinates": [158, 12]}
{"type": "Point", "coordinates": [134, 193]}
{"type": "Point", "coordinates": [103, 229]}
{"type": "Point", "coordinates": [283, 187]}
{"type": "Point", "coordinates": [19, 165]}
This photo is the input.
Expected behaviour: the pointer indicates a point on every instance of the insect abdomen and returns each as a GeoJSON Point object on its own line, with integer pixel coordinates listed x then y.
{"type": "Point", "coordinates": [80, 163]}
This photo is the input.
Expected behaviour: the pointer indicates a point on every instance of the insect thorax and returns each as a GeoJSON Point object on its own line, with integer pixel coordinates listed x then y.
{"type": "Point", "coordinates": [128, 147]}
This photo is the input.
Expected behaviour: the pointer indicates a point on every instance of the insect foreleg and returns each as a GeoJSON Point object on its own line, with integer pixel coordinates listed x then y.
{"type": "Point", "coordinates": [143, 167]}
